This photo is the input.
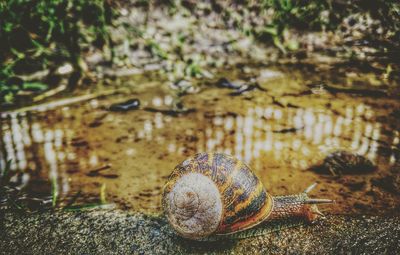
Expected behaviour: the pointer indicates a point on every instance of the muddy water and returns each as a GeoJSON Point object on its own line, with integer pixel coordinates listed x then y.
{"type": "Point", "coordinates": [80, 149]}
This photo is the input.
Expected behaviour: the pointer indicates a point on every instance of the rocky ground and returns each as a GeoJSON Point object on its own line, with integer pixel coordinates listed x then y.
{"type": "Point", "coordinates": [116, 232]}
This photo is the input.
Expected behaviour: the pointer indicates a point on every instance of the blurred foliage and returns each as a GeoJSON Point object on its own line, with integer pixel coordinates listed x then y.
{"type": "Point", "coordinates": [303, 14]}
{"type": "Point", "coordinates": [41, 34]}
{"type": "Point", "coordinates": [4, 173]}
{"type": "Point", "coordinates": [328, 15]}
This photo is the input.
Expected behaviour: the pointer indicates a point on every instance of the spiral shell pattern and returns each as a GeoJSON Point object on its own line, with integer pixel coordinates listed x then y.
{"type": "Point", "coordinates": [214, 193]}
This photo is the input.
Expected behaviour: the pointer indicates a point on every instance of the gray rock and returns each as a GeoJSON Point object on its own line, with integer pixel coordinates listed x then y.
{"type": "Point", "coordinates": [116, 232]}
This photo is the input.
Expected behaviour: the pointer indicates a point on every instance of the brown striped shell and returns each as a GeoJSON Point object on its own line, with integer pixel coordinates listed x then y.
{"type": "Point", "coordinates": [214, 193]}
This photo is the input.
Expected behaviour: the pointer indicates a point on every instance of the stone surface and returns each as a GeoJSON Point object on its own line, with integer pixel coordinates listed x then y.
{"type": "Point", "coordinates": [117, 232]}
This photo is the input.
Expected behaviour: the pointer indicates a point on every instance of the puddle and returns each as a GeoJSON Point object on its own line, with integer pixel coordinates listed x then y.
{"type": "Point", "coordinates": [81, 149]}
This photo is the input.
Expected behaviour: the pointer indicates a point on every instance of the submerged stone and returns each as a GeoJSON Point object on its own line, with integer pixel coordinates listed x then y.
{"type": "Point", "coordinates": [225, 83]}
{"type": "Point", "coordinates": [131, 104]}
{"type": "Point", "coordinates": [344, 162]}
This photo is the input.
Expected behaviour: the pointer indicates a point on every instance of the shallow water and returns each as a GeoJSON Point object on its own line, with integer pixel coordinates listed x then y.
{"type": "Point", "coordinates": [80, 149]}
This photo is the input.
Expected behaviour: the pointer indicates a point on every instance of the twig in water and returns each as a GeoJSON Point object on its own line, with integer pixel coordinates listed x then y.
{"type": "Point", "coordinates": [50, 93]}
{"type": "Point", "coordinates": [62, 102]}
{"type": "Point", "coordinates": [96, 172]}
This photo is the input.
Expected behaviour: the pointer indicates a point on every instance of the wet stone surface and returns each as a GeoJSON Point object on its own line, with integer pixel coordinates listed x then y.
{"type": "Point", "coordinates": [84, 152]}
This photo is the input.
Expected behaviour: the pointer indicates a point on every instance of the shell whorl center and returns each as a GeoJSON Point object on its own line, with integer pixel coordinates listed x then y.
{"type": "Point", "coordinates": [194, 206]}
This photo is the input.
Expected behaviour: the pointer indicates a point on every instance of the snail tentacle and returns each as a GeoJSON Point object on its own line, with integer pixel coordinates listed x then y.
{"type": "Point", "coordinates": [312, 201]}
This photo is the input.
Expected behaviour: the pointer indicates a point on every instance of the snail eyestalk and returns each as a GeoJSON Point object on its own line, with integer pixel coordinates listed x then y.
{"type": "Point", "coordinates": [310, 188]}
{"type": "Point", "coordinates": [314, 201]}
{"type": "Point", "coordinates": [300, 206]}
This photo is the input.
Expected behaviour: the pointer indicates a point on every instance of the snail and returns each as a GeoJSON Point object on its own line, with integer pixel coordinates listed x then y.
{"type": "Point", "coordinates": [213, 194]}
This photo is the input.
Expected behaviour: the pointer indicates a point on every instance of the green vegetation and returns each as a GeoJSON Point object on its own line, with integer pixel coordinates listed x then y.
{"type": "Point", "coordinates": [12, 195]}
{"type": "Point", "coordinates": [72, 206]}
{"type": "Point", "coordinates": [5, 176]}
{"type": "Point", "coordinates": [325, 15]}
{"type": "Point", "coordinates": [300, 14]}
{"type": "Point", "coordinates": [54, 191]}
{"type": "Point", "coordinates": [4, 173]}
{"type": "Point", "coordinates": [103, 195]}
{"type": "Point", "coordinates": [39, 35]}
{"type": "Point", "coordinates": [43, 35]}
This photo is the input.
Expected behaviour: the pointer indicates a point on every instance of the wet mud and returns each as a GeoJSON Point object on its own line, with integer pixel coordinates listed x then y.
{"type": "Point", "coordinates": [286, 126]}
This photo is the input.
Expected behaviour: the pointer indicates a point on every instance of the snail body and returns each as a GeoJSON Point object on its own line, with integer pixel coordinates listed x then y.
{"type": "Point", "coordinates": [217, 194]}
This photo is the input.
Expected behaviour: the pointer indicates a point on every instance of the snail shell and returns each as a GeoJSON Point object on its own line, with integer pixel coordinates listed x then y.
{"type": "Point", "coordinates": [214, 193]}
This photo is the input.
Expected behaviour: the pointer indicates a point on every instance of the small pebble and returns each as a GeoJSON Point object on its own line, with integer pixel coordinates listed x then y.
{"type": "Point", "coordinates": [224, 83]}
{"type": "Point", "coordinates": [131, 104]}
